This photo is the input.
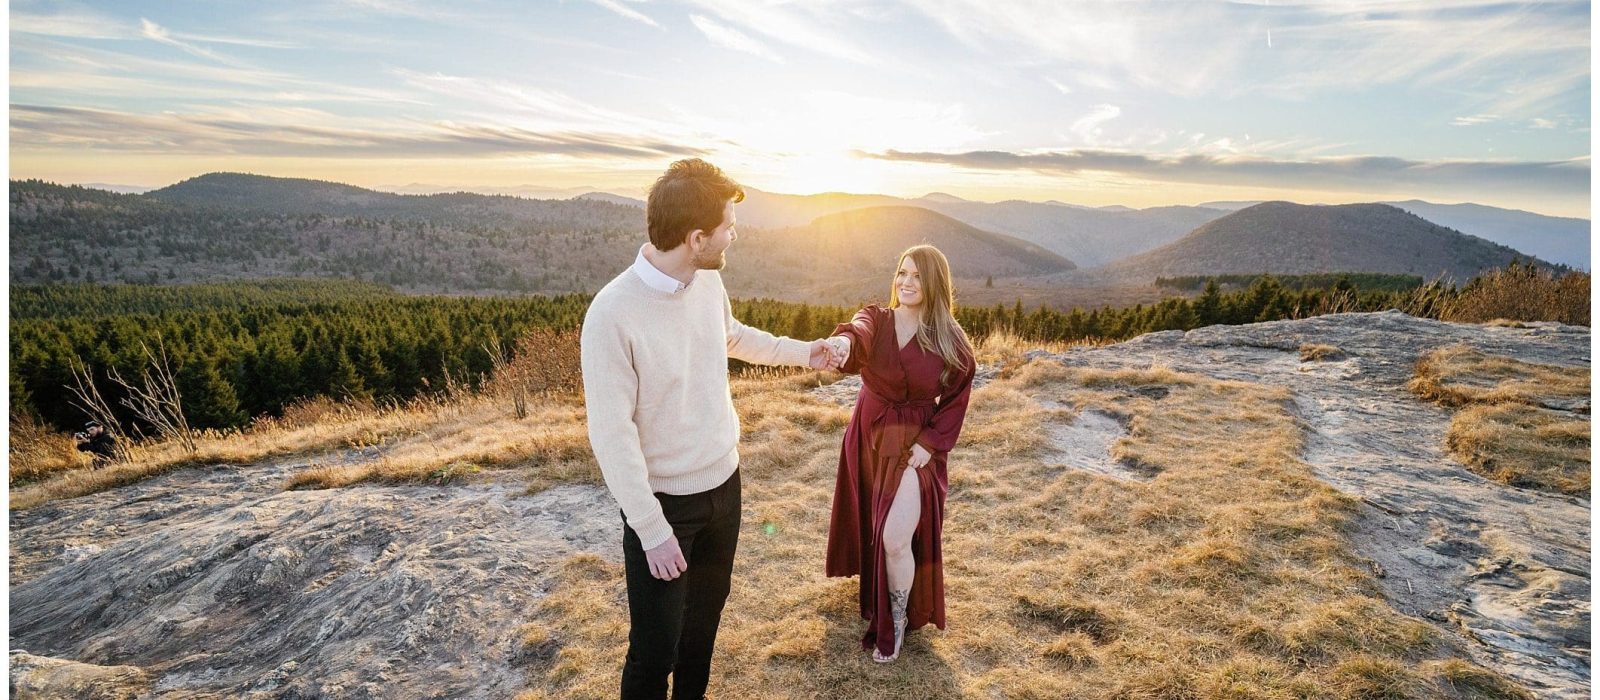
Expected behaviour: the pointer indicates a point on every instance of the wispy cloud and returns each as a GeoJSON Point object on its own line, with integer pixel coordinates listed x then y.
{"type": "Point", "coordinates": [527, 106]}
{"type": "Point", "coordinates": [621, 9]}
{"type": "Point", "coordinates": [1509, 58]}
{"type": "Point", "coordinates": [158, 33]}
{"type": "Point", "coordinates": [1088, 128]}
{"type": "Point", "coordinates": [78, 24]}
{"type": "Point", "coordinates": [1475, 120]}
{"type": "Point", "coordinates": [91, 73]}
{"type": "Point", "coordinates": [36, 126]}
{"type": "Point", "coordinates": [1360, 173]}
{"type": "Point", "coordinates": [730, 38]}
{"type": "Point", "coordinates": [811, 26]}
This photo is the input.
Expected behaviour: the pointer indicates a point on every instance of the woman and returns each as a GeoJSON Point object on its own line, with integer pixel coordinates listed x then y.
{"type": "Point", "coordinates": [916, 371]}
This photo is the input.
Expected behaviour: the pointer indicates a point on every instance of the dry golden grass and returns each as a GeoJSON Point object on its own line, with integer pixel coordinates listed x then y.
{"type": "Point", "coordinates": [1523, 445]}
{"type": "Point", "coordinates": [37, 453]}
{"type": "Point", "coordinates": [1005, 348]}
{"type": "Point", "coordinates": [1504, 432]}
{"type": "Point", "coordinates": [424, 441]}
{"type": "Point", "coordinates": [476, 433]}
{"type": "Point", "coordinates": [1313, 352]}
{"type": "Point", "coordinates": [1225, 576]}
{"type": "Point", "coordinates": [1459, 375]}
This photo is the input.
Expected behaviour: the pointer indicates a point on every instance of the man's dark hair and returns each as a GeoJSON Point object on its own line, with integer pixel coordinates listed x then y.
{"type": "Point", "coordinates": [689, 196]}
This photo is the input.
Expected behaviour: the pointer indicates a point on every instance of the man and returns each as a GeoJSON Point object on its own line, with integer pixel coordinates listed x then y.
{"type": "Point", "coordinates": [655, 348]}
{"type": "Point", "coordinates": [96, 441]}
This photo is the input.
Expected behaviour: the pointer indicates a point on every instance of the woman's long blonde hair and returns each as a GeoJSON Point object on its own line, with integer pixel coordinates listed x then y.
{"type": "Point", "coordinates": [937, 331]}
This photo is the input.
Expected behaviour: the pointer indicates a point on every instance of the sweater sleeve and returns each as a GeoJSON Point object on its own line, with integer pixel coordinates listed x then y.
{"type": "Point", "coordinates": [939, 434]}
{"type": "Point", "coordinates": [757, 346]}
{"type": "Point", "coordinates": [610, 395]}
{"type": "Point", "coordinates": [861, 330]}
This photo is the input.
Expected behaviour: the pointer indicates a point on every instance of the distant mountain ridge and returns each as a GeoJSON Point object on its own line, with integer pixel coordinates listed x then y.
{"type": "Point", "coordinates": [1085, 235]}
{"type": "Point", "coordinates": [231, 225]}
{"type": "Point", "coordinates": [1287, 238]}
{"type": "Point", "coordinates": [863, 245]}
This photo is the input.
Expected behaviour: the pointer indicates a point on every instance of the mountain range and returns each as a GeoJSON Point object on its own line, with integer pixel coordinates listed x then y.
{"type": "Point", "coordinates": [231, 225]}
{"type": "Point", "coordinates": [1095, 236]}
{"type": "Point", "coordinates": [1287, 238]}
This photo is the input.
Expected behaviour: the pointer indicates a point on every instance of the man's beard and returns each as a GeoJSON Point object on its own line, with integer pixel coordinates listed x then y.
{"type": "Point", "coordinates": [711, 262]}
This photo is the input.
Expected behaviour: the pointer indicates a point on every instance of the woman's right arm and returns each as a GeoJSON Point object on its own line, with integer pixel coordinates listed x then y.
{"type": "Point", "coordinates": [860, 332]}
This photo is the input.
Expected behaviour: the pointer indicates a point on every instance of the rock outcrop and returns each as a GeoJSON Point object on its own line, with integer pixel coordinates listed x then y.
{"type": "Point", "coordinates": [215, 581]}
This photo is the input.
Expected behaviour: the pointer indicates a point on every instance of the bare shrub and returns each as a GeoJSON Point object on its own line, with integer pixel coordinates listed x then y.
{"type": "Point", "coordinates": [544, 361]}
{"type": "Point", "coordinates": [1523, 293]}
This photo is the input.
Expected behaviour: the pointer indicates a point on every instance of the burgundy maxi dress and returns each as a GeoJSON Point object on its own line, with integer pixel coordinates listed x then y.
{"type": "Point", "coordinates": [901, 403]}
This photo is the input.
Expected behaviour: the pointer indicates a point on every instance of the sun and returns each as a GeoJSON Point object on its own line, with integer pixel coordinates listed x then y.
{"type": "Point", "coordinates": [826, 172]}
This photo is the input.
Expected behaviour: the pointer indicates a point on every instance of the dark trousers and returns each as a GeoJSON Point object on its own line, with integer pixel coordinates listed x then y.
{"type": "Point", "coordinates": [674, 623]}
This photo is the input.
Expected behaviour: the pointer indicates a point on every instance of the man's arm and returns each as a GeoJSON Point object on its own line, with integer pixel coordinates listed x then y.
{"type": "Point", "coordinates": [757, 346]}
{"type": "Point", "coordinates": [610, 391]}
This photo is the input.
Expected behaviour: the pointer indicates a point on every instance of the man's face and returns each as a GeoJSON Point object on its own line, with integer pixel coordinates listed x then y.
{"type": "Point", "coordinates": [93, 430]}
{"type": "Point", "coordinates": [711, 255]}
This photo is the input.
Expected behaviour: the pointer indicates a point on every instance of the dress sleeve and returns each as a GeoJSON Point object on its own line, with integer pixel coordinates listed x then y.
{"type": "Point", "coordinates": [862, 331]}
{"type": "Point", "coordinates": [944, 426]}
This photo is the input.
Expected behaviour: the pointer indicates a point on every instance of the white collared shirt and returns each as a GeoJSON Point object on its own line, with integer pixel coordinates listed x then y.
{"type": "Point", "coordinates": [658, 280]}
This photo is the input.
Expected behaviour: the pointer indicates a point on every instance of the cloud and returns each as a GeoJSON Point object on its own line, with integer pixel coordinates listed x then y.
{"type": "Point", "coordinates": [1508, 58]}
{"type": "Point", "coordinates": [625, 11]}
{"type": "Point", "coordinates": [76, 25]}
{"type": "Point", "coordinates": [1359, 173]}
{"type": "Point", "coordinates": [1475, 120]}
{"type": "Point", "coordinates": [811, 26]}
{"type": "Point", "coordinates": [526, 106]}
{"type": "Point", "coordinates": [86, 72]}
{"type": "Point", "coordinates": [155, 32]}
{"type": "Point", "coordinates": [730, 38]}
{"type": "Point", "coordinates": [1088, 127]}
{"type": "Point", "coordinates": [43, 127]}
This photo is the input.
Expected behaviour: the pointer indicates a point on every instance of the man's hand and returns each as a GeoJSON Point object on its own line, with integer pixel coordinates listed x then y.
{"type": "Point", "coordinates": [919, 456]}
{"type": "Point", "coordinates": [666, 560]}
{"type": "Point", "coordinates": [823, 355]}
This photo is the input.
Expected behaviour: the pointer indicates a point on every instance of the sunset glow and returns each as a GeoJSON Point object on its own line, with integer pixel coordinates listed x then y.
{"type": "Point", "coordinates": [1094, 103]}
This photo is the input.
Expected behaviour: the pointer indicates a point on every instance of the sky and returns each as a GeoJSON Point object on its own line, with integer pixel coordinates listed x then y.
{"type": "Point", "coordinates": [1094, 103]}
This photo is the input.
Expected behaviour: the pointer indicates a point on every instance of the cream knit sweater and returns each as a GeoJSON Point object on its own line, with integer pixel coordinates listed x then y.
{"type": "Point", "coordinates": [655, 380]}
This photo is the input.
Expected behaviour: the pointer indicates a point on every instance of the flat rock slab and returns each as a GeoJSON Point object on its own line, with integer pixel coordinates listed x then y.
{"type": "Point", "coordinates": [216, 582]}
{"type": "Point", "coordinates": [1504, 570]}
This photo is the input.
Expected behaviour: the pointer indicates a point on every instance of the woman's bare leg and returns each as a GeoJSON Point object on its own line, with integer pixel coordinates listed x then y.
{"type": "Point", "coordinates": [898, 527]}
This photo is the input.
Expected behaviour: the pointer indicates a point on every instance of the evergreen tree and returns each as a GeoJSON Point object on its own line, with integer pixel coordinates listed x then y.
{"type": "Point", "coordinates": [1208, 307]}
{"type": "Point", "coordinates": [345, 380]}
{"type": "Point", "coordinates": [209, 400]}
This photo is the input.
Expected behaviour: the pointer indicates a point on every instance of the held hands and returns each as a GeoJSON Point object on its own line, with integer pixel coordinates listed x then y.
{"type": "Point", "coordinates": [830, 353]}
{"type": "Point", "coordinates": [666, 560]}
{"type": "Point", "coordinates": [919, 456]}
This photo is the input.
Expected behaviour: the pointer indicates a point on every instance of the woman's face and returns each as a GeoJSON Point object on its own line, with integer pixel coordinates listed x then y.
{"type": "Point", "coordinates": [908, 284]}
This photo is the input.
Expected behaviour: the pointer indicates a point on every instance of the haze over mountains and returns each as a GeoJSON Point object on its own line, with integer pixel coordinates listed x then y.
{"type": "Point", "coordinates": [1094, 236]}
{"type": "Point", "coordinates": [818, 247]}
{"type": "Point", "coordinates": [1286, 238]}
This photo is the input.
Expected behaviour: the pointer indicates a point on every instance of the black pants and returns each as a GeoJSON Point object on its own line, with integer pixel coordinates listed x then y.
{"type": "Point", "coordinates": [674, 623]}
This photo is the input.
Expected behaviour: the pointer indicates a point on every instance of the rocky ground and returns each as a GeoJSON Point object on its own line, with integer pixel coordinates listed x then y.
{"type": "Point", "coordinates": [1504, 569]}
{"type": "Point", "coordinates": [215, 581]}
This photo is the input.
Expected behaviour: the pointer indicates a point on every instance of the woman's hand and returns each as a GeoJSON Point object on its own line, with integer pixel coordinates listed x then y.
{"type": "Point", "coordinates": [841, 350]}
{"type": "Point", "coordinates": [919, 456]}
